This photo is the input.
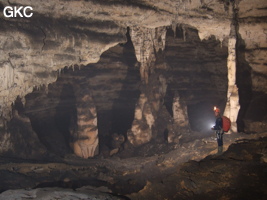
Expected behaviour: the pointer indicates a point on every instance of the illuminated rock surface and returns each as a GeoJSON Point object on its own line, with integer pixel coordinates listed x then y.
{"type": "Point", "coordinates": [107, 74]}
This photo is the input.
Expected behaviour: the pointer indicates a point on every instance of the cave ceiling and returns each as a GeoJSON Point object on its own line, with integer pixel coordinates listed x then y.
{"type": "Point", "coordinates": [67, 33]}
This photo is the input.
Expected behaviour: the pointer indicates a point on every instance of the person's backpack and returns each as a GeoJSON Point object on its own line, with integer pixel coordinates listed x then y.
{"type": "Point", "coordinates": [226, 123]}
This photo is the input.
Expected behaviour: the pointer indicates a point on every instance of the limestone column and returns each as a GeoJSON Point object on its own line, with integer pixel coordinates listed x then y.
{"type": "Point", "coordinates": [146, 111]}
{"type": "Point", "coordinates": [147, 42]}
{"type": "Point", "coordinates": [141, 132]}
{"type": "Point", "coordinates": [84, 134]}
{"type": "Point", "coordinates": [179, 110]}
{"type": "Point", "coordinates": [232, 105]}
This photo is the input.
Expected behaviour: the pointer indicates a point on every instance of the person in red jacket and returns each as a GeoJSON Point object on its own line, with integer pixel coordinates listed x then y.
{"type": "Point", "coordinates": [218, 129]}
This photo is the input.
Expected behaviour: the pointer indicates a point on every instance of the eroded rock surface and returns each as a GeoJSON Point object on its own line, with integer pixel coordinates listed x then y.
{"type": "Point", "coordinates": [143, 52]}
{"type": "Point", "coordinates": [159, 174]}
{"type": "Point", "coordinates": [78, 32]}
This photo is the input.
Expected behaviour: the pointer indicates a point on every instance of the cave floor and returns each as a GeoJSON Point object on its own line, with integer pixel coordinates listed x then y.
{"type": "Point", "coordinates": [189, 170]}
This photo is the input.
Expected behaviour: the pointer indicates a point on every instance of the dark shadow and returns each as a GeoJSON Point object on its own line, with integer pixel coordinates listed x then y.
{"type": "Point", "coordinates": [243, 81]}
{"type": "Point", "coordinates": [257, 109]}
{"type": "Point", "coordinates": [66, 115]}
{"type": "Point", "coordinates": [168, 99]}
{"type": "Point", "coordinates": [201, 116]}
{"type": "Point", "coordinates": [198, 72]}
{"type": "Point", "coordinates": [124, 107]}
{"type": "Point", "coordinates": [51, 121]}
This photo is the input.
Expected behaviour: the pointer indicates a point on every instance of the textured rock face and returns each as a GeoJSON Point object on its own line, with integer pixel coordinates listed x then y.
{"type": "Point", "coordinates": [39, 46]}
{"type": "Point", "coordinates": [73, 33]}
{"type": "Point", "coordinates": [215, 177]}
{"type": "Point", "coordinates": [20, 140]}
{"type": "Point", "coordinates": [84, 133]}
{"type": "Point", "coordinates": [77, 32]}
{"type": "Point", "coordinates": [179, 112]}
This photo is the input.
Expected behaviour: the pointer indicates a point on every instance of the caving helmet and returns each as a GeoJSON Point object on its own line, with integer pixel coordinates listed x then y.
{"type": "Point", "coordinates": [217, 110]}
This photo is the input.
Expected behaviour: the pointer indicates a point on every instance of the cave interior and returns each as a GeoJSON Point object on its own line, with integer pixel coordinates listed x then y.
{"type": "Point", "coordinates": [162, 153]}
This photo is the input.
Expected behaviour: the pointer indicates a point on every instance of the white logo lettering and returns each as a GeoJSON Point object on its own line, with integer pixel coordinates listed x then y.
{"type": "Point", "coordinates": [24, 11]}
{"type": "Point", "coordinates": [14, 12]}
{"type": "Point", "coordinates": [8, 13]}
{"type": "Point", "coordinates": [17, 11]}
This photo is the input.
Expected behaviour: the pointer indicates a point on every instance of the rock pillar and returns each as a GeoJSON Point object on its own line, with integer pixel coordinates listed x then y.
{"type": "Point", "coordinates": [232, 105]}
{"type": "Point", "coordinates": [146, 111]}
{"type": "Point", "coordinates": [84, 133]}
{"type": "Point", "coordinates": [179, 109]}
{"type": "Point", "coordinates": [141, 132]}
{"type": "Point", "coordinates": [180, 120]}
{"type": "Point", "coordinates": [147, 42]}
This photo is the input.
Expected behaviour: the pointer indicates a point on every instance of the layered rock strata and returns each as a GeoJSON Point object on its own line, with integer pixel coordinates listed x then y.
{"type": "Point", "coordinates": [84, 133]}
{"type": "Point", "coordinates": [80, 31]}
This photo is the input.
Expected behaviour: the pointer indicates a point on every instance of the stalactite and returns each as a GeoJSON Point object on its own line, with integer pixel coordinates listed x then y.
{"type": "Point", "coordinates": [174, 25]}
{"type": "Point", "coordinates": [184, 33]}
{"type": "Point", "coordinates": [147, 43]}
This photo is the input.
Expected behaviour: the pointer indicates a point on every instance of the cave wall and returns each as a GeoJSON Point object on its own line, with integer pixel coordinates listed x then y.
{"type": "Point", "coordinates": [35, 50]}
{"type": "Point", "coordinates": [251, 65]}
{"type": "Point", "coordinates": [112, 83]}
{"type": "Point", "coordinates": [80, 31]}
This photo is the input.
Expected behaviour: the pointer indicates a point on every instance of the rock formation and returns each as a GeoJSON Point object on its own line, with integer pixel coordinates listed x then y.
{"type": "Point", "coordinates": [19, 139]}
{"type": "Point", "coordinates": [133, 82]}
{"type": "Point", "coordinates": [211, 52]}
{"type": "Point", "coordinates": [232, 104]}
{"type": "Point", "coordinates": [84, 133]}
{"type": "Point", "coordinates": [79, 32]}
{"type": "Point", "coordinates": [180, 116]}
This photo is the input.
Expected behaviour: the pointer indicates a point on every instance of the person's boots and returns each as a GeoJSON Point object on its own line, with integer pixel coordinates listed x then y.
{"type": "Point", "coordinates": [220, 150]}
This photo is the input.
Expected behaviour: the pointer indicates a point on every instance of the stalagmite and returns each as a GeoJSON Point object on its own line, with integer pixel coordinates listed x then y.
{"type": "Point", "coordinates": [146, 111]}
{"type": "Point", "coordinates": [180, 122]}
{"type": "Point", "coordinates": [140, 132]}
{"type": "Point", "coordinates": [148, 115]}
{"type": "Point", "coordinates": [163, 86]}
{"type": "Point", "coordinates": [179, 110]}
{"type": "Point", "coordinates": [85, 132]}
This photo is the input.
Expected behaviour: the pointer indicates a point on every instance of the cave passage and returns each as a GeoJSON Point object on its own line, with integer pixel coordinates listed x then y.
{"type": "Point", "coordinates": [113, 83]}
{"type": "Point", "coordinates": [198, 72]}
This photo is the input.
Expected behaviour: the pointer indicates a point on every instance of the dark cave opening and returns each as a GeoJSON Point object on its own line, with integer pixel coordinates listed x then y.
{"type": "Point", "coordinates": [198, 72]}
{"type": "Point", "coordinates": [244, 83]}
{"type": "Point", "coordinates": [113, 83]}
{"type": "Point", "coordinates": [123, 107]}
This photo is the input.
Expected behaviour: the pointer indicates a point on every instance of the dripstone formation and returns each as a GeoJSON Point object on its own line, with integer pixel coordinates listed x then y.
{"type": "Point", "coordinates": [84, 83]}
{"type": "Point", "coordinates": [84, 131]}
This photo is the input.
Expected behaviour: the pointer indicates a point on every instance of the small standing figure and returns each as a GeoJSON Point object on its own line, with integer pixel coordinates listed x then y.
{"type": "Point", "coordinates": [218, 129]}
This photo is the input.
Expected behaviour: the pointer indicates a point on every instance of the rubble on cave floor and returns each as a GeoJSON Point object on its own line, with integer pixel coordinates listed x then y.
{"type": "Point", "coordinates": [239, 173]}
{"type": "Point", "coordinates": [136, 175]}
